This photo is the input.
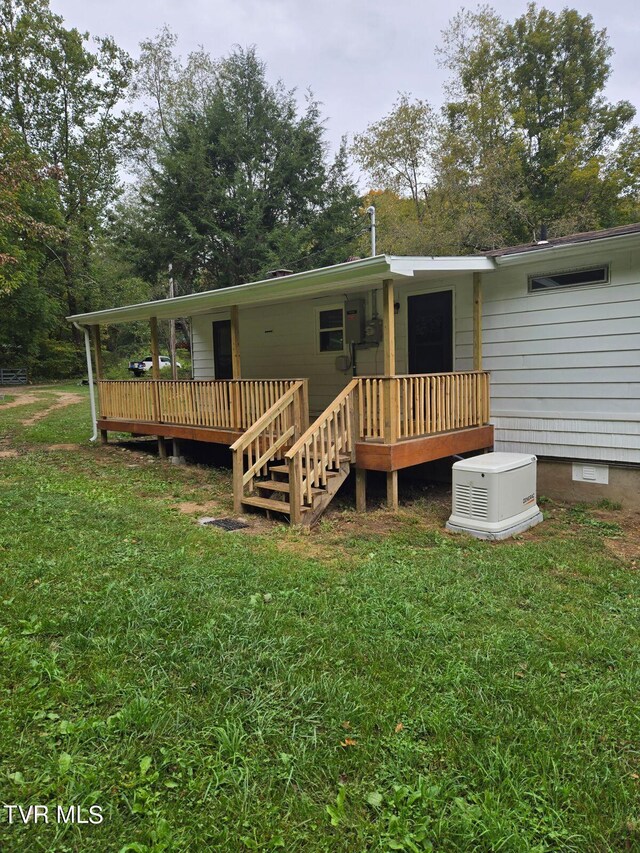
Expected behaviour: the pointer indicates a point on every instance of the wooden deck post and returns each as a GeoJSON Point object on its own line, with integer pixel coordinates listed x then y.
{"type": "Point", "coordinates": [97, 350]}
{"type": "Point", "coordinates": [361, 489]}
{"type": "Point", "coordinates": [477, 345]}
{"type": "Point", "coordinates": [176, 455]}
{"type": "Point", "coordinates": [390, 384]}
{"type": "Point", "coordinates": [238, 474]}
{"type": "Point", "coordinates": [388, 328]}
{"type": "Point", "coordinates": [305, 405]}
{"type": "Point", "coordinates": [295, 496]}
{"type": "Point", "coordinates": [392, 490]}
{"type": "Point", "coordinates": [477, 321]}
{"type": "Point", "coordinates": [155, 351]}
{"type": "Point", "coordinates": [236, 369]}
{"type": "Point", "coordinates": [236, 364]}
{"type": "Point", "coordinates": [155, 374]}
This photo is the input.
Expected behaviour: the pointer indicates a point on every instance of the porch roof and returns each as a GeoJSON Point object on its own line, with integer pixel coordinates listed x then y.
{"type": "Point", "coordinates": [354, 275]}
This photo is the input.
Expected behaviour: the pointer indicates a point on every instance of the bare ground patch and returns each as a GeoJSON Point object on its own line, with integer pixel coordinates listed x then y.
{"type": "Point", "coordinates": [23, 398]}
{"type": "Point", "coordinates": [626, 545]}
{"type": "Point", "coordinates": [65, 398]}
{"type": "Point", "coordinates": [193, 508]}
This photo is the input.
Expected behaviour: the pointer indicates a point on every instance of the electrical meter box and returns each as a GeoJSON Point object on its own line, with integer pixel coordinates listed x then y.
{"type": "Point", "coordinates": [354, 321]}
{"type": "Point", "coordinates": [373, 331]}
{"type": "Point", "coordinates": [494, 495]}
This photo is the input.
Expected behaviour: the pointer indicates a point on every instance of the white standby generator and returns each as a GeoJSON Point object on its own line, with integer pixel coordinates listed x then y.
{"type": "Point", "coordinates": [494, 495]}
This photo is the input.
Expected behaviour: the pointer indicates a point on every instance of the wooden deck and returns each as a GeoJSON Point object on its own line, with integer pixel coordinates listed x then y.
{"type": "Point", "coordinates": [376, 423]}
{"type": "Point", "coordinates": [377, 456]}
{"type": "Point", "coordinates": [212, 435]}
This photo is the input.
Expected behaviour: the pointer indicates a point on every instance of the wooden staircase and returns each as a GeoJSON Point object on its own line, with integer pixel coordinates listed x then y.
{"type": "Point", "coordinates": [281, 468]}
{"type": "Point", "coordinates": [274, 492]}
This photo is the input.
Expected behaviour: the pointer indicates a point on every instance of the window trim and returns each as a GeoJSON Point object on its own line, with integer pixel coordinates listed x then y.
{"type": "Point", "coordinates": [572, 270]}
{"type": "Point", "coordinates": [319, 310]}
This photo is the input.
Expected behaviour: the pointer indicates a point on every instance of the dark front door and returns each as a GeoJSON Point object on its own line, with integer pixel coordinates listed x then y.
{"type": "Point", "coordinates": [222, 349]}
{"type": "Point", "coordinates": [430, 318]}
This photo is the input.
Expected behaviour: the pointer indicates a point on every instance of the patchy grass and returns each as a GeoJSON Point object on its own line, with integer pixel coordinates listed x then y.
{"type": "Point", "coordinates": [376, 685]}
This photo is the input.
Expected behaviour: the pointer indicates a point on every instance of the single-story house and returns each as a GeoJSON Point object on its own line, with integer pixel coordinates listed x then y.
{"type": "Point", "coordinates": [397, 361]}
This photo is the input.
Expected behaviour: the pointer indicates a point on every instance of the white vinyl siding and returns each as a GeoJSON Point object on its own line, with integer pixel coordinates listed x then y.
{"type": "Point", "coordinates": [565, 364]}
{"type": "Point", "coordinates": [202, 344]}
{"type": "Point", "coordinates": [277, 342]}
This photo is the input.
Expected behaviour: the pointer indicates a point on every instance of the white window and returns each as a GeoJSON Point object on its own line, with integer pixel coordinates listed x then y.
{"type": "Point", "coordinates": [331, 329]}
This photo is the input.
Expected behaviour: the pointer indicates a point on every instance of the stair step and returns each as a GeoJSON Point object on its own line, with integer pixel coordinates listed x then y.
{"type": "Point", "coordinates": [284, 469]}
{"type": "Point", "coordinates": [269, 503]}
{"type": "Point", "coordinates": [280, 486]}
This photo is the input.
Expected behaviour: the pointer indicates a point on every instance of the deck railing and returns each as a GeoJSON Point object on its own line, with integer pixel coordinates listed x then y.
{"type": "Point", "coordinates": [222, 404]}
{"type": "Point", "coordinates": [400, 407]}
{"type": "Point", "coordinates": [267, 440]}
{"type": "Point", "coordinates": [389, 408]}
{"type": "Point", "coordinates": [330, 439]}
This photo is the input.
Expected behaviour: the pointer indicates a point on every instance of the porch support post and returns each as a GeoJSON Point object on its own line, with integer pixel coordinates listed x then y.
{"type": "Point", "coordinates": [176, 457]}
{"type": "Point", "coordinates": [477, 321]}
{"type": "Point", "coordinates": [361, 489]}
{"type": "Point", "coordinates": [155, 373]}
{"type": "Point", "coordinates": [390, 384]}
{"type": "Point", "coordinates": [97, 351]}
{"type": "Point", "coordinates": [155, 352]}
{"type": "Point", "coordinates": [236, 367]}
{"type": "Point", "coordinates": [235, 343]}
{"type": "Point", "coordinates": [392, 490]}
{"type": "Point", "coordinates": [388, 328]}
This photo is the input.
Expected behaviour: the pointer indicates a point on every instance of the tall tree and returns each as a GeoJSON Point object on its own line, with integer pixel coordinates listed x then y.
{"type": "Point", "coordinates": [64, 99]}
{"type": "Point", "coordinates": [30, 234]}
{"type": "Point", "coordinates": [242, 184]}
{"type": "Point", "coordinates": [396, 151]}
{"type": "Point", "coordinates": [531, 92]}
{"type": "Point", "coordinates": [169, 90]}
{"type": "Point", "coordinates": [29, 216]}
{"type": "Point", "coordinates": [525, 137]}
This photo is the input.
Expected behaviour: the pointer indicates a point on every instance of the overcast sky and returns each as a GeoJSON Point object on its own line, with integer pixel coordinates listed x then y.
{"type": "Point", "coordinates": [355, 55]}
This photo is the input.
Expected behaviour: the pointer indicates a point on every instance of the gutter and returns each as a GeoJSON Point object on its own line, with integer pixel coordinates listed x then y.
{"type": "Point", "coordinates": [92, 398]}
{"type": "Point", "coordinates": [272, 289]}
{"type": "Point", "coordinates": [363, 273]}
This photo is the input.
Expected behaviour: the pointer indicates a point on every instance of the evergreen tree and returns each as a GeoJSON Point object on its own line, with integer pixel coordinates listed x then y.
{"type": "Point", "coordinates": [242, 185]}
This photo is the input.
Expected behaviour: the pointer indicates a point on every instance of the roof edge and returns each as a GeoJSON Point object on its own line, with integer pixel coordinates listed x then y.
{"type": "Point", "coordinates": [377, 265]}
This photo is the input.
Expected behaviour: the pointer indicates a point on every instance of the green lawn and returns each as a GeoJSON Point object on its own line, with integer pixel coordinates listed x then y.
{"type": "Point", "coordinates": [379, 686]}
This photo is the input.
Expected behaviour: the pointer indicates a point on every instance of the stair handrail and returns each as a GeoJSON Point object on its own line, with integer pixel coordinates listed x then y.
{"type": "Point", "coordinates": [264, 439]}
{"type": "Point", "coordinates": [301, 489]}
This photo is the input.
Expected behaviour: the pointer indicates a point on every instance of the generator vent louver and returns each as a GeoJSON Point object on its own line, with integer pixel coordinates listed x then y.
{"type": "Point", "coordinates": [471, 501]}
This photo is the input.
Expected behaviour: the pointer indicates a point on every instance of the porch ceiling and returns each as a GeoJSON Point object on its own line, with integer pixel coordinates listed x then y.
{"type": "Point", "coordinates": [354, 275]}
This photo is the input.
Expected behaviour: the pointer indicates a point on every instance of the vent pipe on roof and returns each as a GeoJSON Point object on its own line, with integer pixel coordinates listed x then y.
{"type": "Point", "coordinates": [372, 216]}
{"type": "Point", "coordinates": [543, 234]}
